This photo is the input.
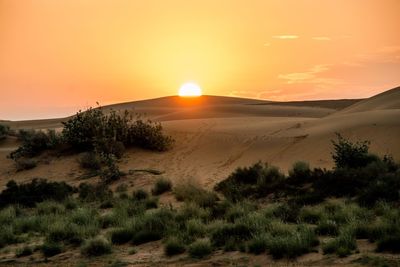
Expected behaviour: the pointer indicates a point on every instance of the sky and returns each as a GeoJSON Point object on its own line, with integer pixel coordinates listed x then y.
{"type": "Point", "coordinates": [59, 56]}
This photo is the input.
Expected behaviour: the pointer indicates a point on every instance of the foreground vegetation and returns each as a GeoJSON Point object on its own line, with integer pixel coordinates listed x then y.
{"type": "Point", "coordinates": [256, 210]}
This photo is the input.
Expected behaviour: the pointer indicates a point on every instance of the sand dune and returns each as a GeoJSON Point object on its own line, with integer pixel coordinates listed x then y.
{"type": "Point", "coordinates": [386, 100]}
{"type": "Point", "coordinates": [215, 135]}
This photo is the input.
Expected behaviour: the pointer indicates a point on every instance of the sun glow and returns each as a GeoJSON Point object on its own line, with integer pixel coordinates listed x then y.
{"type": "Point", "coordinates": [190, 90]}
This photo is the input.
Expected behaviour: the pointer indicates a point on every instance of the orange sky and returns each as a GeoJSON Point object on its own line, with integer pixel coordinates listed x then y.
{"type": "Point", "coordinates": [58, 56]}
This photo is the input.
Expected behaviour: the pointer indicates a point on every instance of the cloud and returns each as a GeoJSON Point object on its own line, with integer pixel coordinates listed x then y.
{"type": "Point", "coordinates": [267, 44]}
{"type": "Point", "coordinates": [285, 37]}
{"type": "Point", "coordinates": [321, 38]}
{"type": "Point", "coordinates": [309, 76]}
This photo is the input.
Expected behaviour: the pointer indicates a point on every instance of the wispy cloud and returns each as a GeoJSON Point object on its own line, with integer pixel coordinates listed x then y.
{"type": "Point", "coordinates": [321, 38]}
{"type": "Point", "coordinates": [309, 76]}
{"type": "Point", "coordinates": [267, 44]}
{"type": "Point", "coordinates": [286, 37]}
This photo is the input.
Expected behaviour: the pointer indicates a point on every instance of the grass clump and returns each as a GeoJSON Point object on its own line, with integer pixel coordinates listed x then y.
{"type": "Point", "coordinates": [292, 245]}
{"type": "Point", "coordinates": [121, 235]}
{"type": "Point", "coordinates": [90, 161]}
{"type": "Point", "coordinates": [174, 246]}
{"type": "Point", "coordinates": [24, 251]}
{"type": "Point", "coordinates": [161, 186]}
{"type": "Point", "coordinates": [389, 243]}
{"type": "Point", "coordinates": [140, 194]}
{"type": "Point", "coordinates": [96, 246]}
{"type": "Point", "coordinates": [50, 249]}
{"type": "Point", "coordinates": [192, 193]}
{"type": "Point", "coordinates": [200, 249]}
{"type": "Point", "coordinates": [342, 245]}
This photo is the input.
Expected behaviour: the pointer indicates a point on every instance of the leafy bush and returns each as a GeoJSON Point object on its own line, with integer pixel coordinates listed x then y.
{"type": "Point", "coordinates": [110, 133]}
{"type": "Point", "coordinates": [200, 249]}
{"type": "Point", "coordinates": [96, 247]}
{"type": "Point", "coordinates": [50, 249]}
{"type": "Point", "coordinates": [35, 142]}
{"type": "Point", "coordinates": [351, 155]}
{"type": "Point", "coordinates": [37, 190]}
{"type": "Point", "coordinates": [385, 188]}
{"type": "Point", "coordinates": [257, 180]}
{"type": "Point", "coordinates": [300, 173]}
{"type": "Point", "coordinates": [162, 185]}
{"type": "Point", "coordinates": [174, 246]}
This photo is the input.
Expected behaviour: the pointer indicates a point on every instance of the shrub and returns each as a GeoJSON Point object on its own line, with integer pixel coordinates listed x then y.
{"type": "Point", "coordinates": [96, 247]}
{"type": "Point", "coordinates": [23, 164]}
{"type": "Point", "coordinates": [300, 173]}
{"type": "Point", "coordinates": [4, 130]}
{"type": "Point", "coordinates": [258, 244]}
{"type": "Point", "coordinates": [385, 188]}
{"type": "Point", "coordinates": [327, 227]}
{"type": "Point", "coordinates": [257, 180]}
{"type": "Point", "coordinates": [200, 249]}
{"type": "Point", "coordinates": [191, 193]}
{"type": "Point", "coordinates": [50, 249]}
{"type": "Point", "coordinates": [310, 215]}
{"type": "Point", "coordinates": [162, 185]}
{"type": "Point", "coordinates": [90, 160]}
{"type": "Point", "coordinates": [238, 232]}
{"type": "Point", "coordinates": [110, 133]}
{"type": "Point", "coordinates": [121, 235]}
{"type": "Point", "coordinates": [98, 192]}
{"type": "Point", "coordinates": [35, 142]}
{"type": "Point", "coordinates": [140, 194]}
{"type": "Point", "coordinates": [293, 245]}
{"type": "Point", "coordinates": [342, 245]}
{"type": "Point", "coordinates": [174, 247]}
{"type": "Point", "coordinates": [49, 207]}
{"type": "Point", "coordinates": [24, 251]}
{"type": "Point", "coordinates": [37, 190]}
{"type": "Point", "coordinates": [351, 155]}
{"type": "Point", "coordinates": [390, 243]}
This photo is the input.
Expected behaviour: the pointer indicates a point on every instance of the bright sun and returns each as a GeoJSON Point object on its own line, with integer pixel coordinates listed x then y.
{"type": "Point", "coordinates": [190, 90]}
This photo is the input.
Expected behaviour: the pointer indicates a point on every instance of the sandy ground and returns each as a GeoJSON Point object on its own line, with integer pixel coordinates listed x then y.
{"type": "Point", "coordinates": [215, 135]}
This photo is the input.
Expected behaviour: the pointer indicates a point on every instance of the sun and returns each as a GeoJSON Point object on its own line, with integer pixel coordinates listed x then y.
{"type": "Point", "coordinates": [190, 90]}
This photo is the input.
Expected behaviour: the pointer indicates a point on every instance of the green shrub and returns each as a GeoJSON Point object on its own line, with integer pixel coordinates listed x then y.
{"type": "Point", "coordinates": [24, 251]}
{"type": "Point", "coordinates": [4, 131]}
{"type": "Point", "coordinates": [257, 180]}
{"type": "Point", "coordinates": [97, 192]}
{"type": "Point", "coordinates": [200, 249]}
{"type": "Point", "coordinates": [140, 194]}
{"type": "Point", "coordinates": [258, 244]}
{"type": "Point", "coordinates": [174, 247]}
{"type": "Point", "coordinates": [310, 215]}
{"type": "Point", "coordinates": [191, 193]}
{"type": "Point", "coordinates": [50, 249]}
{"type": "Point", "coordinates": [327, 227]}
{"type": "Point", "coordinates": [293, 245]}
{"type": "Point", "coordinates": [162, 185]}
{"type": "Point", "coordinates": [342, 245]}
{"type": "Point", "coordinates": [90, 161]}
{"type": "Point", "coordinates": [238, 232]}
{"type": "Point", "coordinates": [37, 190]}
{"type": "Point", "coordinates": [35, 142]}
{"type": "Point", "coordinates": [7, 236]}
{"type": "Point", "coordinates": [351, 155]}
{"type": "Point", "coordinates": [390, 243]}
{"type": "Point", "coordinates": [110, 133]}
{"type": "Point", "coordinates": [299, 174]}
{"type": "Point", "coordinates": [49, 207]}
{"type": "Point", "coordinates": [121, 235]}
{"type": "Point", "coordinates": [96, 247]}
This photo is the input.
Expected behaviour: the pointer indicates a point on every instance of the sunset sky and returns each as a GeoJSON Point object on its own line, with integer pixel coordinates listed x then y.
{"type": "Point", "coordinates": [58, 56]}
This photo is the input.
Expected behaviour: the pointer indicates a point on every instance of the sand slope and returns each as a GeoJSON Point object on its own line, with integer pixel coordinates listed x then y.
{"type": "Point", "coordinates": [215, 135]}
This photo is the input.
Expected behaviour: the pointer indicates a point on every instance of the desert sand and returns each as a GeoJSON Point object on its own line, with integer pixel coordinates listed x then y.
{"type": "Point", "coordinates": [214, 135]}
